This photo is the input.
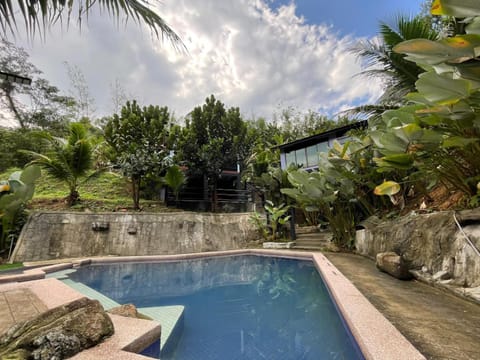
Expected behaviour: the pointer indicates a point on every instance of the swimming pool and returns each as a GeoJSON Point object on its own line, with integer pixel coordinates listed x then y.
{"type": "Point", "coordinates": [235, 307]}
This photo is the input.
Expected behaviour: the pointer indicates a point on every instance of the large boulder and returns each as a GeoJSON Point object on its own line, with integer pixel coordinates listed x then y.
{"type": "Point", "coordinates": [57, 333]}
{"type": "Point", "coordinates": [393, 264]}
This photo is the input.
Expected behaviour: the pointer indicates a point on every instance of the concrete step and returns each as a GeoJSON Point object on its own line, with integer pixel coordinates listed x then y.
{"type": "Point", "coordinates": [306, 229]}
{"type": "Point", "coordinates": [315, 237]}
{"type": "Point", "coordinates": [313, 241]}
{"type": "Point", "coordinates": [308, 247]}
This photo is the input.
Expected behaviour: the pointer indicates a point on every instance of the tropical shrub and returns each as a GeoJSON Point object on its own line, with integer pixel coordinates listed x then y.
{"type": "Point", "coordinates": [270, 226]}
{"type": "Point", "coordinates": [175, 179]}
{"type": "Point", "coordinates": [68, 160]}
{"type": "Point", "coordinates": [14, 194]}
{"type": "Point", "coordinates": [341, 191]}
{"type": "Point", "coordinates": [438, 137]}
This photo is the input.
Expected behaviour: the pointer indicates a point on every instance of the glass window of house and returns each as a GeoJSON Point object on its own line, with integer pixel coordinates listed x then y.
{"type": "Point", "coordinates": [323, 147]}
{"type": "Point", "coordinates": [343, 139]}
{"type": "Point", "coordinates": [312, 156]}
{"type": "Point", "coordinates": [290, 157]}
{"type": "Point", "coordinates": [301, 157]}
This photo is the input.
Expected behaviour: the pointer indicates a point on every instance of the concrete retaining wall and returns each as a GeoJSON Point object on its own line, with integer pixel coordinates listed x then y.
{"type": "Point", "coordinates": [432, 244]}
{"type": "Point", "coordinates": [51, 235]}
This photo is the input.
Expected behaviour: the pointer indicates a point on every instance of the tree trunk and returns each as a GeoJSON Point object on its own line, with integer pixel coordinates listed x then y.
{"type": "Point", "coordinates": [136, 192]}
{"type": "Point", "coordinates": [13, 107]}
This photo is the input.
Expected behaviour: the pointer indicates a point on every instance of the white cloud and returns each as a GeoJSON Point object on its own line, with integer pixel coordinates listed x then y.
{"type": "Point", "coordinates": [243, 52]}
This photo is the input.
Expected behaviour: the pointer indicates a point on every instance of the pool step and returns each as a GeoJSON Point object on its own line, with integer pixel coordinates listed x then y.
{"type": "Point", "coordinates": [171, 320]}
{"type": "Point", "coordinates": [106, 302]}
{"type": "Point", "coordinates": [60, 275]}
{"type": "Point", "coordinates": [169, 317]}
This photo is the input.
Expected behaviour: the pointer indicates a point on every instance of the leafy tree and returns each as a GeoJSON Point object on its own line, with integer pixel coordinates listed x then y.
{"type": "Point", "coordinates": [68, 160]}
{"type": "Point", "coordinates": [137, 139]}
{"type": "Point", "coordinates": [213, 139]}
{"type": "Point", "coordinates": [294, 125]}
{"type": "Point", "coordinates": [39, 105]}
{"type": "Point", "coordinates": [39, 15]}
{"type": "Point", "coordinates": [12, 140]}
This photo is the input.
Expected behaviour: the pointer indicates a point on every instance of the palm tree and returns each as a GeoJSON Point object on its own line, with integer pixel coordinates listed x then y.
{"type": "Point", "coordinates": [69, 160]}
{"type": "Point", "coordinates": [175, 179]}
{"type": "Point", "coordinates": [381, 62]}
{"type": "Point", "coordinates": [40, 14]}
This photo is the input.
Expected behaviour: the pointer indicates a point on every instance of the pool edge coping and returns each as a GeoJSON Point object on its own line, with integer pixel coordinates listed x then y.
{"type": "Point", "coordinates": [377, 337]}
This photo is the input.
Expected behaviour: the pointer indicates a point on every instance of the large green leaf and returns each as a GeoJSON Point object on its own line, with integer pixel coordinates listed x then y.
{"type": "Point", "coordinates": [474, 26]}
{"type": "Point", "coordinates": [30, 174]}
{"type": "Point", "coordinates": [441, 89]}
{"type": "Point", "coordinates": [387, 188]}
{"type": "Point", "coordinates": [424, 51]}
{"type": "Point", "coordinates": [396, 161]}
{"type": "Point", "coordinates": [456, 8]}
{"type": "Point", "coordinates": [409, 132]}
{"type": "Point", "coordinates": [405, 115]}
{"type": "Point", "coordinates": [470, 70]}
{"type": "Point", "coordinates": [458, 141]}
{"type": "Point", "coordinates": [455, 49]}
{"type": "Point", "coordinates": [393, 143]}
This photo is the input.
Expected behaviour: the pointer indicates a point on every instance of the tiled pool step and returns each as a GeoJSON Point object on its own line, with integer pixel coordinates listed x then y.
{"type": "Point", "coordinates": [169, 317]}
{"type": "Point", "coordinates": [171, 320]}
{"type": "Point", "coordinates": [106, 302]}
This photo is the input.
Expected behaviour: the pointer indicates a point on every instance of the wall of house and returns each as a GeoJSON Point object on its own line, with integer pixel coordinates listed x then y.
{"type": "Point", "coordinates": [48, 235]}
{"type": "Point", "coordinates": [433, 246]}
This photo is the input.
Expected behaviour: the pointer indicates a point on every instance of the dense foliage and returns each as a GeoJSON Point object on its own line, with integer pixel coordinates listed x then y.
{"type": "Point", "coordinates": [426, 132]}
{"type": "Point", "coordinates": [137, 140]}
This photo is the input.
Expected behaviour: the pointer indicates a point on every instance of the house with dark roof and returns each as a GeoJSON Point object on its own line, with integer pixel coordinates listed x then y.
{"type": "Point", "coordinates": [304, 152]}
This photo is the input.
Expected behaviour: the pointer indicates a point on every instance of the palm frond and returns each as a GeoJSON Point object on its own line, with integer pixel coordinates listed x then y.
{"type": "Point", "coordinates": [52, 166]}
{"type": "Point", "coordinates": [367, 111]}
{"type": "Point", "coordinates": [39, 15]}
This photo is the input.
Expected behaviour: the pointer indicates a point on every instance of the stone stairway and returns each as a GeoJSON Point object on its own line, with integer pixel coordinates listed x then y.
{"type": "Point", "coordinates": [312, 239]}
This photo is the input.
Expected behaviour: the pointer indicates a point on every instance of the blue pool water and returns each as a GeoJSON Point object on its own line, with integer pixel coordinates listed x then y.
{"type": "Point", "coordinates": [239, 307]}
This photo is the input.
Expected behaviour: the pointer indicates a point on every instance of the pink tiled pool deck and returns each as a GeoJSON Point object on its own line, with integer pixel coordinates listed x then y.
{"type": "Point", "coordinates": [376, 336]}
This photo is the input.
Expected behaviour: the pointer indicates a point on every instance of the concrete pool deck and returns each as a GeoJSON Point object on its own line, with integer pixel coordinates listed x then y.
{"type": "Point", "coordinates": [440, 325]}
{"type": "Point", "coordinates": [376, 336]}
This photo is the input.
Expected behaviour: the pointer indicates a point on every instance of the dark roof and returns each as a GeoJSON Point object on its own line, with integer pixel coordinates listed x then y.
{"type": "Point", "coordinates": [315, 139]}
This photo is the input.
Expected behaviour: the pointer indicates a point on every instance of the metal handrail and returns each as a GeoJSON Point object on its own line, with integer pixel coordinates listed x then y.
{"type": "Point", "coordinates": [466, 236]}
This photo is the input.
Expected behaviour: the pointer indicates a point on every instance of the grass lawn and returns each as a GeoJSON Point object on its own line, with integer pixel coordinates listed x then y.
{"type": "Point", "coordinates": [4, 267]}
{"type": "Point", "coordinates": [106, 192]}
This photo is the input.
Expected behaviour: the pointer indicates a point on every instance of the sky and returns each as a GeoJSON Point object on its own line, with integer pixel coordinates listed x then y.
{"type": "Point", "coordinates": [260, 55]}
